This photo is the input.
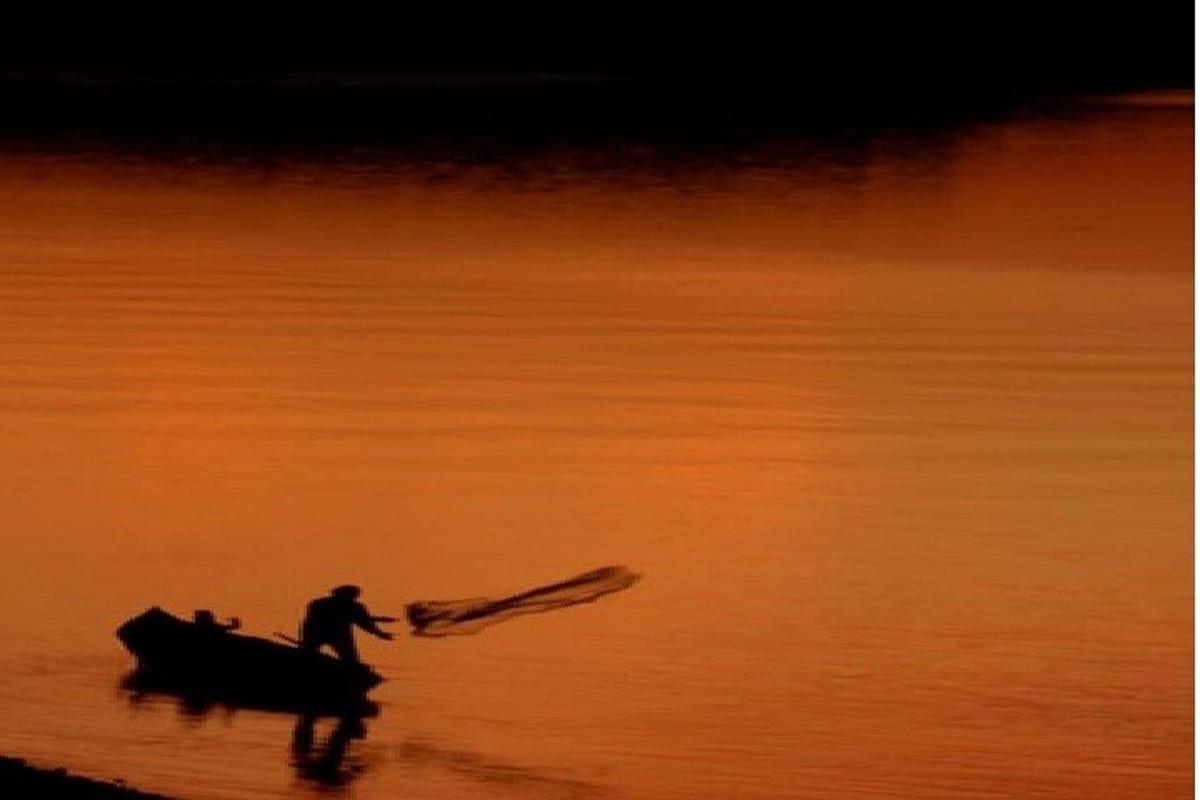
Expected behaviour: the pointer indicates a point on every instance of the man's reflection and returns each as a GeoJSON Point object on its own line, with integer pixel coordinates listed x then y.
{"type": "Point", "coordinates": [330, 761]}
{"type": "Point", "coordinates": [326, 762]}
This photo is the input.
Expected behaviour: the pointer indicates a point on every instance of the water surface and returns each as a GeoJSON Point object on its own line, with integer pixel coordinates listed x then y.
{"type": "Point", "coordinates": [898, 434]}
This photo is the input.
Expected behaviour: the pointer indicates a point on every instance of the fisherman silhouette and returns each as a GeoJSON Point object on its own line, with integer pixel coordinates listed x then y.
{"type": "Point", "coordinates": [331, 620]}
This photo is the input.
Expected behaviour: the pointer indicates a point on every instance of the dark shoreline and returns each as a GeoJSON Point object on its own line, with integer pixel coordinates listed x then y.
{"type": "Point", "coordinates": [18, 779]}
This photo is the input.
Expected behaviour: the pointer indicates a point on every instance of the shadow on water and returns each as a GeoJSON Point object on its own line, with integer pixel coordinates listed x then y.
{"type": "Point", "coordinates": [329, 760]}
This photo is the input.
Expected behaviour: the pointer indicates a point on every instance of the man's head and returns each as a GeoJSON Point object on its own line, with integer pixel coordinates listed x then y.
{"type": "Point", "coordinates": [347, 592]}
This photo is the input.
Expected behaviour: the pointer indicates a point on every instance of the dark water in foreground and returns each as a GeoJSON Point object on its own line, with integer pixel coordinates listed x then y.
{"type": "Point", "coordinates": [899, 438]}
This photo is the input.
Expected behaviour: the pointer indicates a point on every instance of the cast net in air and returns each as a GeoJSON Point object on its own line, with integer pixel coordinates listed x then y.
{"type": "Point", "coordinates": [461, 617]}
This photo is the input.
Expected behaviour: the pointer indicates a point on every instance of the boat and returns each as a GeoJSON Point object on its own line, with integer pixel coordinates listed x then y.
{"type": "Point", "coordinates": [200, 661]}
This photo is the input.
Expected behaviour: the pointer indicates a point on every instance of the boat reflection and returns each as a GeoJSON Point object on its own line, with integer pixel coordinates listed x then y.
{"type": "Point", "coordinates": [329, 760]}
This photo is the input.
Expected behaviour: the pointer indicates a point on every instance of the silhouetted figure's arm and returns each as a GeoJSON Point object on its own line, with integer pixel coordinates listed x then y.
{"type": "Point", "coordinates": [363, 619]}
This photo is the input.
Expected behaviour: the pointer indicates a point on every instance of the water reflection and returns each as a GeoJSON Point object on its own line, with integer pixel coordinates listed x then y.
{"type": "Point", "coordinates": [330, 761]}
{"type": "Point", "coordinates": [326, 748]}
{"type": "Point", "coordinates": [325, 761]}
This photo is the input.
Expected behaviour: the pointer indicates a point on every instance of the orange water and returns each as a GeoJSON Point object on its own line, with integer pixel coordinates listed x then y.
{"type": "Point", "coordinates": [899, 437]}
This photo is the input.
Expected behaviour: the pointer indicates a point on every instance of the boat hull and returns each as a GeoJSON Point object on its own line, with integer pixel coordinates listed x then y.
{"type": "Point", "coordinates": [233, 667]}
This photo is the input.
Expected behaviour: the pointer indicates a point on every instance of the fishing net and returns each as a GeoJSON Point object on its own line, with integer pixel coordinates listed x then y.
{"type": "Point", "coordinates": [462, 617]}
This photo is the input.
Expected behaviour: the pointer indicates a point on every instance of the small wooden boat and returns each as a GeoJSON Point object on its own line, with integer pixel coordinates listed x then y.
{"type": "Point", "coordinates": [211, 662]}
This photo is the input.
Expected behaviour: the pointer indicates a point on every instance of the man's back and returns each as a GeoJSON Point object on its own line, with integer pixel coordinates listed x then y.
{"type": "Point", "coordinates": [325, 615]}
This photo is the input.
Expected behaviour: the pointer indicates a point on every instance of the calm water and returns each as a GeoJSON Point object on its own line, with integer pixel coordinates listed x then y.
{"type": "Point", "coordinates": [899, 436]}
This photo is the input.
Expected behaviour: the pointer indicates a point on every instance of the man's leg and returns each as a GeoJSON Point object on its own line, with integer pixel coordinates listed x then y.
{"type": "Point", "coordinates": [345, 649]}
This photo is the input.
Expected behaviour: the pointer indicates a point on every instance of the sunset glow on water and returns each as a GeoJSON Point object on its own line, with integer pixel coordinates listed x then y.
{"type": "Point", "coordinates": [898, 437]}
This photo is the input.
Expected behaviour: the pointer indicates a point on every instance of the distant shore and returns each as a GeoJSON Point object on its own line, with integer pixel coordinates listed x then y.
{"type": "Point", "coordinates": [19, 779]}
